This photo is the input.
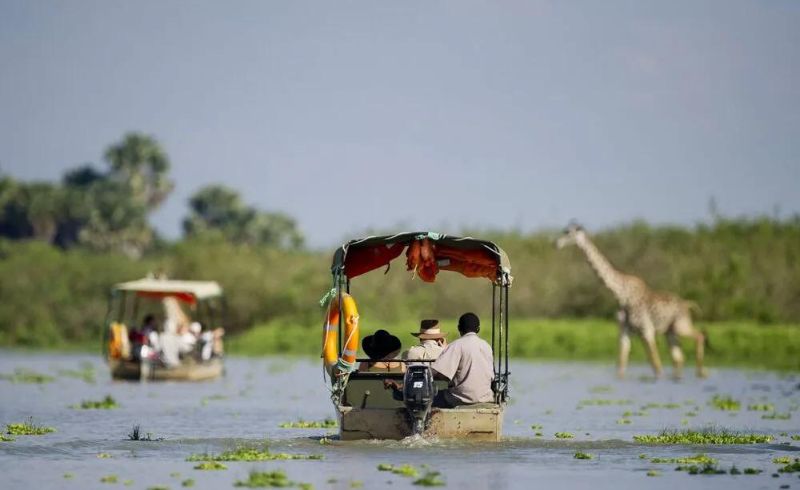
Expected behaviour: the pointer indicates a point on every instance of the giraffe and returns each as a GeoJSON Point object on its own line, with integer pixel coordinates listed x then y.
{"type": "Point", "coordinates": [642, 310]}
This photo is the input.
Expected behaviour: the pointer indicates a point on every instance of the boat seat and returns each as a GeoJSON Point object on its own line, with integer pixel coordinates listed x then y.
{"type": "Point", "coordinates": [365, 390]}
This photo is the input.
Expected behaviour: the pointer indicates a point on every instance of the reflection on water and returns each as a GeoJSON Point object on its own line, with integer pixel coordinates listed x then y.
{"type": "Point", "coordinates": [256, 395]}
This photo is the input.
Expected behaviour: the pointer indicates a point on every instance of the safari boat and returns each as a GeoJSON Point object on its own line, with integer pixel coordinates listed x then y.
{"type": "Point", "coordinates": [365, 409]}
{"type": "Point", "coordinates": [135, 351]}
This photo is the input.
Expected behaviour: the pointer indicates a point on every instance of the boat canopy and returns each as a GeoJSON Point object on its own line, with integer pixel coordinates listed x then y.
{"type": "Point", "coordinates": [186, 291]}
{"type": "Point", "coordinates": [426, 253]}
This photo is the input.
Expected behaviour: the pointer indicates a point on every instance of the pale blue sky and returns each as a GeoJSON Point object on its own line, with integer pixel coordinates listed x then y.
{"type": "Point", "coordinates": [350, 115]}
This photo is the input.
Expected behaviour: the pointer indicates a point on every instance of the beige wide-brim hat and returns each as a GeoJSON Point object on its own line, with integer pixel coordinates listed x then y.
{"type": "Point", "coordinates": [429, 329]}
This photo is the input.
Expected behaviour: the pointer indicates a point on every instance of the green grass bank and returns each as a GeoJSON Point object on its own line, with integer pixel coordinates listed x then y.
{"type": "Point", "coordinates": [734, 344]}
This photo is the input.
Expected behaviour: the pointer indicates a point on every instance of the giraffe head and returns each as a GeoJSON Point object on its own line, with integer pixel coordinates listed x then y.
{"type": "Point", "coordinates": [573, 234]}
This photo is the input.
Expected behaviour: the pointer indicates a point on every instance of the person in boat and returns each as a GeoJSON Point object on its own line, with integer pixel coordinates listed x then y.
{"type": "Point", "coordinates": [381, 347]}
{"type": "Point", "coordinates": [467, 364]}
{"type": "Point", "coordinates": [432, 342]}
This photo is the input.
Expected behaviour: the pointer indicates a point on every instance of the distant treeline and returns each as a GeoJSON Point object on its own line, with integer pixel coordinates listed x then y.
{"type": "Point", "coordinates": [734, 269]}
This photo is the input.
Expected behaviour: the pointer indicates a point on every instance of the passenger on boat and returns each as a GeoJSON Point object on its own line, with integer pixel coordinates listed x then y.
{"type": "Point", "coordinates": [381, 347]}
{"type": "Point", "coordinates": [432, 342]}
{"type": "Point", "coordinates": [144, 340]}
{"type": "Point", "coordinates": [467, 364]}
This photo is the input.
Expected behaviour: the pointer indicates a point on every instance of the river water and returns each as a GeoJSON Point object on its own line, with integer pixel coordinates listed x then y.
{"type": "Point", "coordinates": [247, 406]}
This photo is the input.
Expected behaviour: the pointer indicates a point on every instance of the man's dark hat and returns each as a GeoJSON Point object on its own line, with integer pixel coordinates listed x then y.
{"type": "Point", "coordinates": [380, 344]}
{"type": "Point", "coordinates": [429, 329]}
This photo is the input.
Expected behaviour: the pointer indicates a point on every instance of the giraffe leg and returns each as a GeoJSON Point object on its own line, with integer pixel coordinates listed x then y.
{"type": "Point", "coordinates": [676, 353]}
{"type": "Point", "coordinates": [700, 347]}
{"type": "Point", "coordinates": [624, 348]}
{"type": "Point", "coordinates": [683, 326]}
{"type": "Point", "coordinates": [649, 338]}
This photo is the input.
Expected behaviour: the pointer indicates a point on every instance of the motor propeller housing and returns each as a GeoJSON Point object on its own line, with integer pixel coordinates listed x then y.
{"type": "Point", "coordinates": [419, 390]}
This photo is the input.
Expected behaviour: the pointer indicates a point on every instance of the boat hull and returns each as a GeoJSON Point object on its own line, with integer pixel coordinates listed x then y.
{"type": "Point", "coordinates": [188, 371]}
{"type": "Point", "coordinates": [483, 422]}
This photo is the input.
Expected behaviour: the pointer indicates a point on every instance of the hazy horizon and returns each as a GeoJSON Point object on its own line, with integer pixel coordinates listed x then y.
{"type": "Point", "coordinates": [422, 115]}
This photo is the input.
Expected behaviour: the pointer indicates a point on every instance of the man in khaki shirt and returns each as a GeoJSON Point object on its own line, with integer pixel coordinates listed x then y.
{"type": "Point", "coordinates": [467, 364]}
{"type": "Point", "coordinates": [432, 342]}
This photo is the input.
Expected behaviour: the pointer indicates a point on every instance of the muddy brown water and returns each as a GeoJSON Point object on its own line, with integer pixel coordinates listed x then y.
{"type": "Point", "coordinates": [257, 395]}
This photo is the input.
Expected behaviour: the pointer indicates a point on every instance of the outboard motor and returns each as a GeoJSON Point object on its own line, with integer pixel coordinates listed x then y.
{"type": "Point", "coordinates": [418, 393]}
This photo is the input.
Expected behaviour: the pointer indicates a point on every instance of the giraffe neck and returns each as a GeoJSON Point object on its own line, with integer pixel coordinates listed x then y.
{"type": "Point", "coordinates": [603, 268]}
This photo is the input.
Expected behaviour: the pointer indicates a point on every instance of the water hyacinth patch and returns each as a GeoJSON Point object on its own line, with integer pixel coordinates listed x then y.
{"type": "Point", "coordinates": [328, 423]}
{"type": "Point", "coordinates": [564, 435]}
{"type": "Point", "coordinates": [777, 416]}
{"type": "Point", "coordinates": [4, 438]}
{"type": "Point", "coordinates": [726, 403]}
{"type": "Point", "coordinates": [582, 455]}
{"type": "Point", "coordinates": [106, 403]}
{"type": "Point", "coordinates": [705, 436]}
{"type": "Point", "coordinates": [109, 479]}
{"type": "Point", "coordinates": [28, 429]}
{"type": "Point", "coordinates": [653, 473]}
{"type": "Point", "coordinates": [210, 466]}
{"type": "Point", "coordinates": [696, 459]}
{"type": "Point", "coordinates": [667, 406]}
{"type": "Point", "coordinates": [705, 469]}
{"type": "Point", "coordinates": [795, 437]}
{"type": "Point", "coordinates": [246, 453]}
{"type": "Point", "coordinates": [430, 479]}
{"type": "Point", "coordinates": [782, 460]}
{"type": "Point", "coordinates": [189, 482]}
{"type": "Point", "coordinates": [263, 479]}
{"type": "Point", "coordinates": [752, 471]}
{"type": "Point", "coordinates": [761, 407]}
{"type": "Point", "coordinates": [623, 421]}
{"type": "Point", "coordinates": [792, 467]}
{"type": "Point", "coordinates": [598, 402]}
{"type": "Point", "coordinates": [23, 375]}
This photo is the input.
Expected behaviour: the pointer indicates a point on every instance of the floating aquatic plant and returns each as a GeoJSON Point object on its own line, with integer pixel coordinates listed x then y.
{"type": "Point", "coordinates": [109, 479]}
{"type": "Point", "coordinates": [792, 467]}
{"type": "Point", "coordinates": [582, 455]}
{"type": "Point", "coordinates": [24, 375]}
{"type": "Point", "coordinates": [653, 473]}
{"type": "Point", "coordinates": [564, 435]}
{"type": "Point", "coordinates": [536, 426]}
{"type": "Point", "coordinates": [328, 423]}
{"type": "Point", "coordinates": [189, 482]}
{"type": "Point", "coordinates": [782, 460]}
{"type": "Point", "coordinates": [705, 469]}
{"type": "Point", "coordinates": [249, 453]}
{"type": "Point", "coordinates": [623, 421]}
{"type": "Point", "coordinates": [699, 458]}
{"type": "Point", "coordinates": [630, 413]}
{"type": "Point", "coordinates": [761, 407]}
{"type": "Point", "coordinates": [601, 389]}
{"type": "Point", "coordinates": [667, 406]}
{"type": "Point", "coordinates": [709, 435]}
{"type": "Point", "coordinates": [777, 416]}
{"type": "Point", "coordinates": [262, 479]}
{"type": "Point", "coordinates": [795, 437]}
{"type": "Point", "coordinates": [86, 372]}
{"type": "Point", "coordinates": [158, 487]}
{"type": "Point", "coordinates": [430, 479]}
{"type": "Point", "coordinates": [69, 476]}
{"type": "Point", "coordinates": [598, 402]}
{"type": "Point", "coordinates": [104, 456]}
{"type": "Point", "coordinates": [28, 429]}
{"type": "Point", "coordinates": [136, 435]}
{"type": "Point", "coordinates": [752, 471]}
{"type": "Point", "coordinates": [210, 466]}
{"type": "Point", "coordinates": [725, 402]}
{"type": "Point", "coordinates": [106, 403]}
{"type": "Point", "coordinates": [4, 438]}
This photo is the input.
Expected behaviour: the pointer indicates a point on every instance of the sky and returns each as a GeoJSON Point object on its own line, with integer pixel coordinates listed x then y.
{"type": "Point", "coordinates": [357, 115]}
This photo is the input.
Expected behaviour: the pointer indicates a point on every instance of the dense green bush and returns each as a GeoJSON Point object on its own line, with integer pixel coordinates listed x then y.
{"type": "Point", "coordinates": [734, 269]}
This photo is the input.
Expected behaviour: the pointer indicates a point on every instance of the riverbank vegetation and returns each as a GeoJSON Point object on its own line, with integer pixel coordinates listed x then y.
{"type": "Point", "coordinates": [63, 244]}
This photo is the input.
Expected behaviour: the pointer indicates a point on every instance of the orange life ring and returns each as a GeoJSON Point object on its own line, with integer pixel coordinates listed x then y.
{"type": "Point", "coordinates": [330, 349]}
{"type": "Point", "coordinates": [330, 352]}
{"type": "Point", "coordinates": [350, 330]}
